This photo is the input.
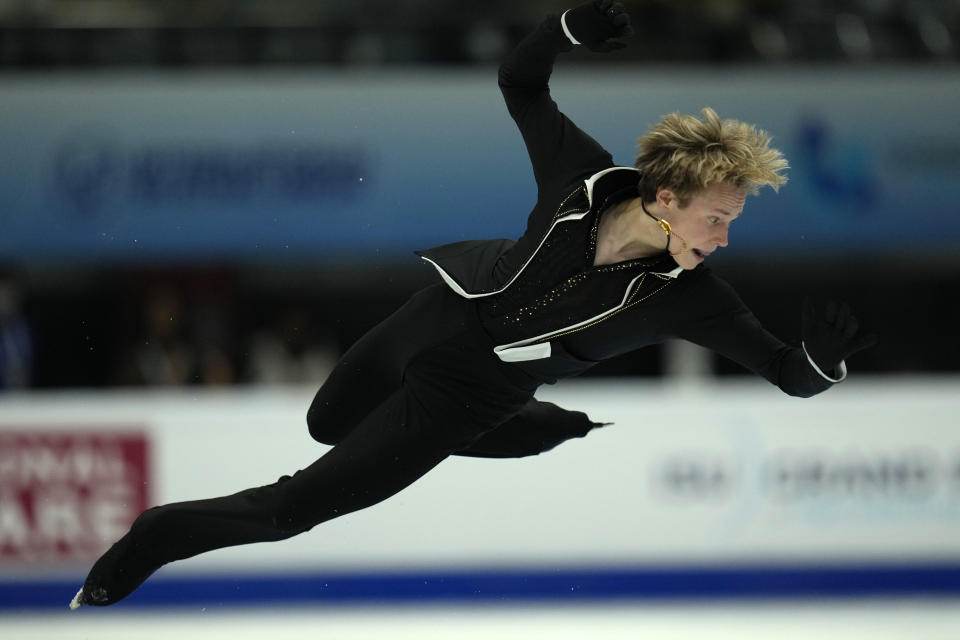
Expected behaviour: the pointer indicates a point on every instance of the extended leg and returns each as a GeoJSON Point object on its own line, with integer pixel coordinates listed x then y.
{"type": "Point", "coordinates": [442, 392]}
{"type": "Point", "coordinates": [538, 427]}
{"type": "Point", "coordinates": [180, 530]}
{"type": "Point", "coordinates": [388, 451]}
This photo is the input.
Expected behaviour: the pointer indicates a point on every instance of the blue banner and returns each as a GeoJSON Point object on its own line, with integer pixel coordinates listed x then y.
{"type": "Point", "coordinates": [370, 166]}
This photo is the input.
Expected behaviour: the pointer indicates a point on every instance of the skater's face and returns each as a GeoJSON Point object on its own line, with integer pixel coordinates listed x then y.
{"type": "Point", "coordinates": [703, 225]}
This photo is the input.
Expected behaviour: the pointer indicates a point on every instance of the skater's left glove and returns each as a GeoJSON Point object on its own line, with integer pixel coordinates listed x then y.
{"type": "Point", "coordinates": [595, 24]}
{"type": "Point", "coordinates": [831, 334]}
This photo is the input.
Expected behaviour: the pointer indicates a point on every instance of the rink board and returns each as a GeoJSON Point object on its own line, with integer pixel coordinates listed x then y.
{"type": "Point", "coordinates": [720, 491]}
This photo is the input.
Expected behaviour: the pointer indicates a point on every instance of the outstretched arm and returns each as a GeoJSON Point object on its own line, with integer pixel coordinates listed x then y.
{"type": "Point", "coordinates": [559, 151]}
{"type": "Point", "coordinates": [729, 328]}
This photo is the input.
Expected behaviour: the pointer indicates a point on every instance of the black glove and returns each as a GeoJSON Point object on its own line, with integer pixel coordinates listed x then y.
{"type": "Point", "coordinates": [830, 333]}
{"type": "Point", "coordinates": [594, 23]}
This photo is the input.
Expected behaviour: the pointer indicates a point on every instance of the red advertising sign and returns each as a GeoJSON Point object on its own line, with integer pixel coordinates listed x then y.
{"type": "Point", "coordinates": [68, 495]}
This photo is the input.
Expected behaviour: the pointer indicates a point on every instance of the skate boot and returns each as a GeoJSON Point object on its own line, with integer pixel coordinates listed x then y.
{"type": "Point", "coordinates": [119, 571]}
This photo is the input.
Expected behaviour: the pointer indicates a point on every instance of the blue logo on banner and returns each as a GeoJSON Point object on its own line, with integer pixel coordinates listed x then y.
{"type": "Point", "coordinates": [189, 173]}
{"type": "Point", "coordinates": [93, 170]}
{"type": "Point", "coordinates": [839, 171]}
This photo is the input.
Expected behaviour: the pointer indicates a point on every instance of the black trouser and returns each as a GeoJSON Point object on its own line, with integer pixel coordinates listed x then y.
{"type": "Point", "coordinates": [422, 385]}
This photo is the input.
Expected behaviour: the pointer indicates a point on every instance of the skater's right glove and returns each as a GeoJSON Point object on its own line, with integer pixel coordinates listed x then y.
{"type": "Point", "coordinates": [595, 23]}
{"type": "Point", "coordinates": [831, 334]}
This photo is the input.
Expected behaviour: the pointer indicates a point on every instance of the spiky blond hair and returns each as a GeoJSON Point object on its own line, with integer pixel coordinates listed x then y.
{"type": "Point", "coordinates": [685, 154]}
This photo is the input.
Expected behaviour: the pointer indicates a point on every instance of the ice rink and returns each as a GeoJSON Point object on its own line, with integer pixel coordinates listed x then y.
{"type": "Point", "coordinates": [784, 620]}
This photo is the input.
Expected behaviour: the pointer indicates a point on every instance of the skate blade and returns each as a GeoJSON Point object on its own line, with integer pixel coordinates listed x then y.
{"type": "Point", "coordinates": [77, 600]}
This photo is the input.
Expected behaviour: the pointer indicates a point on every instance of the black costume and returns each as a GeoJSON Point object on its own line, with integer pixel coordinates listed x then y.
{"type": "Point", "coordinates": [454, 370]}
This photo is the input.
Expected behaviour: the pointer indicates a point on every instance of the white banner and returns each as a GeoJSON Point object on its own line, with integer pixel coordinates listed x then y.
{"type": "Point", "coordinates": [869, 470]}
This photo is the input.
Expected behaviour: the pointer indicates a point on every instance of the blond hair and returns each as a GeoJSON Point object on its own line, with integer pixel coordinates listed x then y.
{"type": "Point", "coordinates": [685, 154]}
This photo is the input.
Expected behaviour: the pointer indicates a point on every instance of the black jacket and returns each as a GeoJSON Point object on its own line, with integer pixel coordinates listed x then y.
{"type": "Point", "coordinates": [572, 315]}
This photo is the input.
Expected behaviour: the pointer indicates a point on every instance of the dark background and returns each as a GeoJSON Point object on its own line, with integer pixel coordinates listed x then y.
{"type": "Point", "coordinates": [221, 323]}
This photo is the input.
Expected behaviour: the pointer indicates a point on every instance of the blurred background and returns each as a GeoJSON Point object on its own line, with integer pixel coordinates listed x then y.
{"type": "Point", "coordinates": [204, 203]}
{"type": "Point", "coordinates": [228, 192]}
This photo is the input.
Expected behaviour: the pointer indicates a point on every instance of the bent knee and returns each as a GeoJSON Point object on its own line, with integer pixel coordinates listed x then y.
{"type": "Point", "coordinates": [320, 425]}
{"type": "Point", "coordinates": [329, 422]}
